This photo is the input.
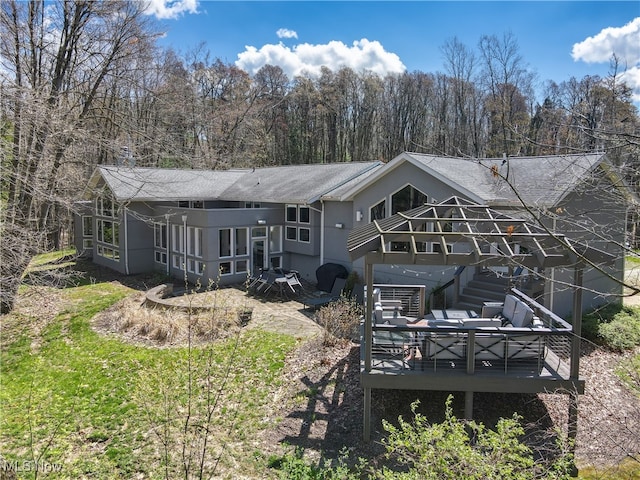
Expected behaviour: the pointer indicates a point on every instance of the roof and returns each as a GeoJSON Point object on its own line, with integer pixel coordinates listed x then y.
{"type": "Point", "coordinates": [465, 233]}
{"type": "Point", "coordinates": [287, 184]}
{"type": "Point", "coordinates": [162, 184]}
{"type": "Point", "coordinates": [296, 183]}
{"type": "Point", "coordinates": [536, 181]}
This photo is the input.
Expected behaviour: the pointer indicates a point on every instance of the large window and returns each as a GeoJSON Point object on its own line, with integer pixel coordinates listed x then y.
{"type": "Point", "coordinates": [160, 235]}
{"type": "Point", "coordinates": [177, 238]}
{"type": "Point", "coordinates": [160, 239]}
{"type": "Point", "coordinates": [108, 232]}
{"type": "Point", "coordinates": [406, 199]}
{"type": "Point", "coordinates": [275, 239]}
{"type": "Point", "coordinates": [108, 238]}
{"type": "Point", "coordinates": [194, 241]}
{"type": "Point", "coordinates": [224, 250]}
{"type": "Point", "coordinates": [242, 241]}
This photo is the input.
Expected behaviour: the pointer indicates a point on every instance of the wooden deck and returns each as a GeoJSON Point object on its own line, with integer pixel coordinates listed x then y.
{"type": "Point", "coordinates": [516, 376]}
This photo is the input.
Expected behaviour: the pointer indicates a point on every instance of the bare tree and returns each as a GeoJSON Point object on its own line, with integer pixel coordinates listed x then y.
{"type": "Point", "coordinates": [58, 58]}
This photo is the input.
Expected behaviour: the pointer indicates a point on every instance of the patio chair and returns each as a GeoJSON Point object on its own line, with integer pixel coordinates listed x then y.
{"type": "Point", "coordinates": [294, 282]}
{"type": "Point", "coordinates": [317, 302]}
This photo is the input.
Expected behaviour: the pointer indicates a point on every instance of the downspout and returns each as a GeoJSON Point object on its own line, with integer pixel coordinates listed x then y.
{"type": "Point", "coordinates": [553, 274]}
{"type": "Point", "coordinates": [322, 233]}
{"type": "Point", "coordinates": [166, 216]}
{"type": "Point", "coordinates": [126, 241]}
{"type": "Point", "coordinates": [184, 245]}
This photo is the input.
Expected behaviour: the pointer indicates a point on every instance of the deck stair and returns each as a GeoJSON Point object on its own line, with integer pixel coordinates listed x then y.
{"type": "Point", "coordinates": [486, 286]}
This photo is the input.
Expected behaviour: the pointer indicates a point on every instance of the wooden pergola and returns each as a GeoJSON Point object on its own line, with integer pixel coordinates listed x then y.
{"type": "Point", "coordinates": [462, 233]}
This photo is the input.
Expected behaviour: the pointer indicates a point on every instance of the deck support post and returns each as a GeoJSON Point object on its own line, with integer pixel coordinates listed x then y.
{"type": "Point", "coordinates": [468, 405]}
{"type": "Point", "coordinates": [366, 434]}
{"type": "Point", "coordinates": [367, 344]}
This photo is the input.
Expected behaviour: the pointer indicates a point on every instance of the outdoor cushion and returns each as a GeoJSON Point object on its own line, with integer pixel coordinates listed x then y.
{"type": "Point", "coordinates": [509, 306]}
{"type": "Point", "coordinates": [482, 322]}
{"type": "Point", "coordinates": [522, 315]}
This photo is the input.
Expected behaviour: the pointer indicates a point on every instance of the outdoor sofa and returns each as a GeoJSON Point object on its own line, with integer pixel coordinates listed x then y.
{"type": "Point", "coordinates": [505, 331]}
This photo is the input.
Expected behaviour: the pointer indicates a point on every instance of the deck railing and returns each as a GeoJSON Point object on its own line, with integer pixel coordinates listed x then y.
{"type": "Point", "coordinates": [529, 351]}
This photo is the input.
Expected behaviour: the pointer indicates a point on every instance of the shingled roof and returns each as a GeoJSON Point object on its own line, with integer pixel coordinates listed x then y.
{"type": "Point", "coordinates": [303, 184]}
{"type": "Point", "coordinates": [537, 181]}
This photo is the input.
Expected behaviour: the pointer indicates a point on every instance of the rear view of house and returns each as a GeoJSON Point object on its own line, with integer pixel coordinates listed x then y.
{"type": "Point", "coordinates": [222, 226]}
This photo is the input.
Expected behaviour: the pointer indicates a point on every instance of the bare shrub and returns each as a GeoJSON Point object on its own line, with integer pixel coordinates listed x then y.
{"type": "Point", "coordinates": [170, 326]}
{"type": "Point", "coordinates": [340, 320]}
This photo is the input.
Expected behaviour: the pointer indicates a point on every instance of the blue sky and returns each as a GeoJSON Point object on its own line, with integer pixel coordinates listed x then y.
{"type": "Point", "coordinates": [557, 40]}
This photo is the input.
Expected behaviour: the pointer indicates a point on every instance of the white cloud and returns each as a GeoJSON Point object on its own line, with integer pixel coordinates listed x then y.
{"type": "Point", "coordinates": [623, 41]}
{"type": "Point", "coordinates": [171, 9]}
{"type": "Point", "coordinates": [632, 78]}
{"type": "Point", "coordinates": [286, 33]}
{"type": "Point", "coordinates": [308, 59]}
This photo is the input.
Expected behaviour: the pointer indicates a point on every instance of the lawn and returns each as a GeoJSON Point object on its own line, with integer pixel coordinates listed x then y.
{"type": "Point", "coordinates": [95, 406]}
{"type": "Point", "coordinates": [90, 405]}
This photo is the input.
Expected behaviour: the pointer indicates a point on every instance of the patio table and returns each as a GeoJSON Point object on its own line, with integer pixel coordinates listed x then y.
{"type": "Point", "coordinates": [453, 314]}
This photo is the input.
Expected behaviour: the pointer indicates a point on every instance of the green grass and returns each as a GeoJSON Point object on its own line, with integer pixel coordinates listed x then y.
{"type": "Point", "coordinates": [73, 397]}
{"type": "Point", "coordinates": [626, 470]}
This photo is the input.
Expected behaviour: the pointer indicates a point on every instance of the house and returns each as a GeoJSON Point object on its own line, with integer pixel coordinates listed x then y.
{"type": "Point", "coordinates": [222, 225]}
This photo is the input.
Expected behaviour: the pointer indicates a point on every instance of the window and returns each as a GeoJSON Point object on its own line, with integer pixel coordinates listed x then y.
{"type": "Point", "coordinates": [87, 244]}
{"type": "Point", "coordinates": [225, 268]}
{"type": "Point", "coordinates": [303, 215]}
{"type": "Point", "coordinates": [258, 232]}
{"type": "Point", "coordinates": [87, 226]}
{"type": "Point", "coordinates": [292, 213]}
{"type": "Point", "coordinates": [241, 266]}
{"type": "Point", "coordinates": [104, 206]}
{"type": "Point", "coordinates": [108, 238]}
{"type": "Point", "coordinates": [378, 211]}
{"type": "Point", "coordinates": [242, 241]}
{"type": "Point", "coordinates": [161, 257]}
{"type": "Point", "coordinates": [406, 199]}
{"type": "Point", "coordinates": [108, 232]}
{"type": "Point", "coordinates": [177, 238]}
{"type": "Point", "coordinates": [252, 205]}
{"type": "Point", "coordinates": [304, 235]}
{"type": "Point", "coordinates": [225, 243]}
{"type": "Point", "coordinates": [292, 233]}
{"type": "Point", "coordinates": [191, 204]}
{"type": "Point", "coordinates": [160, 235]}
{"type": "Point", "coordinates": [194, 241]}
{"type": "Point", "coordinates": [177, 261]}
{"type": "Point", "coordinates": [275, 239]}
{"type": "Point", "coordinates": [276, 262]}
{"type": "Point", "coordinates": [199, 267]}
